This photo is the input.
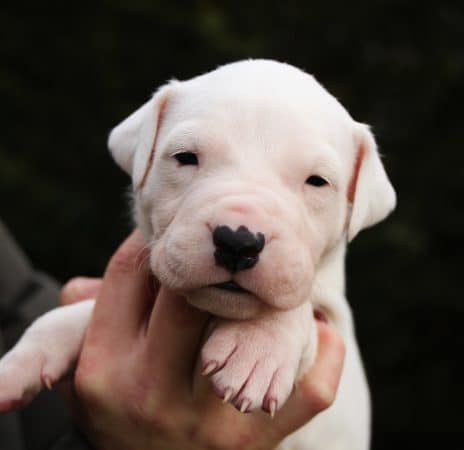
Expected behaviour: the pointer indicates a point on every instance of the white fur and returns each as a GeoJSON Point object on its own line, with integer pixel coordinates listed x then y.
{"type": "Point", "coordinates": [260, 129]}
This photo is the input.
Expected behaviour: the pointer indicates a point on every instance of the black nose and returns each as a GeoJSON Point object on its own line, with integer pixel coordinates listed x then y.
{"type": "Point", "coordinates": [237, 250]}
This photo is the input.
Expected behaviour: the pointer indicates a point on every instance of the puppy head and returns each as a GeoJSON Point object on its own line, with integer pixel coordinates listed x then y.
{"type": "Point", "coordinates": [244, 179]}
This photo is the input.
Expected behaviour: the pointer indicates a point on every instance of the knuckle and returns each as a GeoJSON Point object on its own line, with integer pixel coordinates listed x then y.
{"type": "Point", "coordinates": [81, 383]}
{"type": "Point", "coordinates": [83, 389]}
{"type": "Point", "coordinates": [155, 422]}
{"type": "Point", "coordinates": [145, 407]}
{"type": "Point", "coordinates": [145, 415]}
{"type": "Point", "coordinates": [89, 387]}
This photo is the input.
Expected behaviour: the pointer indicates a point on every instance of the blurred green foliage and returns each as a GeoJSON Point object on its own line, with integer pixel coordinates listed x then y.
{"type": "Point", "coordinates": [71, 71]}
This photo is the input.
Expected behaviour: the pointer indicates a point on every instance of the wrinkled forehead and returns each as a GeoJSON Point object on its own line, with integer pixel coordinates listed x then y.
{"type": "Point", "coordinates": [266, 111]}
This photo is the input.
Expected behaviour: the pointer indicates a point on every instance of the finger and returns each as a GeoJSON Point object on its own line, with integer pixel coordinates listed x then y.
{"type": "Point", "coordinates": [126, 295]}
{"type": "Point", "coordinates": [78, 289]}
{"type": "Point", "coordinates": [317, 389]}
{"type": "Point", "coordinates": [174, 336]}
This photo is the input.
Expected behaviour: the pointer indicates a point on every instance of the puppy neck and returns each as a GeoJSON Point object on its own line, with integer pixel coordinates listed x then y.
{"type": "Point", "coordinates": [328, 289]}
{"type": "Point", "coordinates": [331, 268]}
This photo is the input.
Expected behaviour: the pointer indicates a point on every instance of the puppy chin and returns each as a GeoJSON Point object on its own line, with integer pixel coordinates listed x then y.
{"type": "Point", "coordinates": [229, 305]}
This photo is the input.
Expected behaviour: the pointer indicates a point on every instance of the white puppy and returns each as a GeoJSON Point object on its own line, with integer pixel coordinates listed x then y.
{"type": "Point", "coordinates": [248, 183]}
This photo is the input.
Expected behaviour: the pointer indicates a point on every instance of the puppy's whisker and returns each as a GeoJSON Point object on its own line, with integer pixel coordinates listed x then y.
{"type": "Point", "coordinates": [143, 255]}
{"type": "Point", "coordinates": [142, 259]}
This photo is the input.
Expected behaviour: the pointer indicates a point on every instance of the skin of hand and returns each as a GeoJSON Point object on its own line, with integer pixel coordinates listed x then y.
{"type": "Point", "coordinates": [138, 384]}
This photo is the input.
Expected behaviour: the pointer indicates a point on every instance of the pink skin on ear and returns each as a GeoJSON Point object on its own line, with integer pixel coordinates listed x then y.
{"type": "Point", "coordinates": [152, 150]}
{"type": "Point", "coordinates": [354, 178]}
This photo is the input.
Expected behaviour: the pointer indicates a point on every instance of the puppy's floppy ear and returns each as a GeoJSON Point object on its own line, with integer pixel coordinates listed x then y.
{"type": "Point", "coordinates": [132, 142]}
{"type": "Point", "coordinates": [370, 192]}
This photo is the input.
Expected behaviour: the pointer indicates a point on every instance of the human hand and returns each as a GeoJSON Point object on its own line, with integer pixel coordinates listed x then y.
{"type": "Point", "coordinates": [138, 383]}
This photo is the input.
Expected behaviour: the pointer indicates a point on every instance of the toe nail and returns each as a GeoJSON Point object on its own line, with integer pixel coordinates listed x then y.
{"type": "Point", "coordinates": [47, 380]}
{"type": "Point", "coordinates": [227, 395]}
{"type": "Point", "coordinates": [245, 405]}
{"type": "Point", "coordinates": [272, 407]}
{"type": "Point", "coordinates": [210, 367]}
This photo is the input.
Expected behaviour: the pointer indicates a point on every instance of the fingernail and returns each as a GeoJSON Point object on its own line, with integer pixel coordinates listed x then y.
{"type": "Point", "coordinates": [227, 395]}
{"type": "Point", "coordinates": [210, 367]}
{"type": "Point", "coordinates": [245, 405]}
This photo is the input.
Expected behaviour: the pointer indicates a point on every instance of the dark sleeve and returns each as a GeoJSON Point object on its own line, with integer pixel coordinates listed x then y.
{"type": "Point", "coordinates": [24, 295]}
{"type": "Point", "coordinates": [72, 441]}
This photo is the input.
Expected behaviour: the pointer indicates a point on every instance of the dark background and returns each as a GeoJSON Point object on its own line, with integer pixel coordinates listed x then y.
{"type": "Point", "coordinates": [70, 71]}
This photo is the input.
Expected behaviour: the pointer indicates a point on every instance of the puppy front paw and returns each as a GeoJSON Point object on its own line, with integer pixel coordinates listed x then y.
{"type": "Point", "coordinates": [254, 363]}
{"type": "Point", "coordinates": [22, 377]}
{"type": "Point", "coordinates": [46, 352]}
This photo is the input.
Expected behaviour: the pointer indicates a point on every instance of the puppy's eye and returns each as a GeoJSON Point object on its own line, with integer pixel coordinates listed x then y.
{"type": "Point", "coordinates": [317, 181]}
{"type": "Point", "coordinates": [186, 158]}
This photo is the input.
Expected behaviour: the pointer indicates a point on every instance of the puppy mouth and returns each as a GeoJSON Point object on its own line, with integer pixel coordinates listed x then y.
{"type": "Point", "coordinates": [230, 286]}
